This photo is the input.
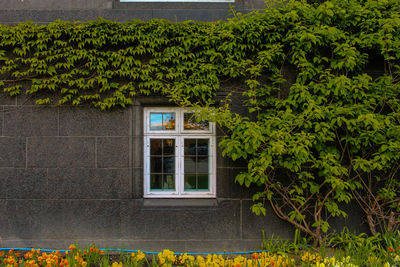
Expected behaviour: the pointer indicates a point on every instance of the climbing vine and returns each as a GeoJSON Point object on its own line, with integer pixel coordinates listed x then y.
{"type": "Point", "coordinates": [320, 83]}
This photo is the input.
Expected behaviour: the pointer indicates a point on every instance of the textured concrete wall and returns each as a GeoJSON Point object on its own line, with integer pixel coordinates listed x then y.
{"type": "Point", "coordinates": [72, 174]}
{"type": "Point", "coordinates": [45, 11]}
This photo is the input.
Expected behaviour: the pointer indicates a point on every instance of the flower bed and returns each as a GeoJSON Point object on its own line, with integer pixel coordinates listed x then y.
{"type": "Point", "coordinates": [93, 256]}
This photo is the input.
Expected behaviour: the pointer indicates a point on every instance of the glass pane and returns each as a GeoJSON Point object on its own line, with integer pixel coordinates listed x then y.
{"type": "Point", "coordinates": [156, 121]}
{"type": "Point", "coordinates": [190, 147]}
{"type": "Point", "coordinates": [168, 121]}
{"type": "Point", "coordinates": [202, 181]}
{"type": "Point", "coordinates": [169, 165]}
{"type": "Point", "coordinates": [162, 121]}
{"type": "Point", "coordinates": [169, 146]}
{"type": "Point", "coordinates": [156, 147]}
{"type": "Point", "coordinates": [202, 164]}
{"type": "Point", "coordinates": [190, 165]}
{"type": "Point", "coordinates": [190, 181]}
{"type": "Point", "coordinates": [190, 122]}
{"type": "Point", "coordinates": [156, 181]}
{"type": "Point", "coordinates": [169, 181]}
{"type": "Point", "coordinates": [156, 164]}
{"type": "Point", "coordinates": [202, 147]}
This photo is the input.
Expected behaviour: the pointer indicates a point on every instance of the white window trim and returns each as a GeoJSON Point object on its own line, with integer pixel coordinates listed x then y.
{"type": "Point", "coordinates": [179, 134]}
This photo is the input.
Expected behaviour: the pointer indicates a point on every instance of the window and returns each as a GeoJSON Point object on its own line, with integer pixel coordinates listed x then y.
{"type": "Point", "coordinates": [179, 154]}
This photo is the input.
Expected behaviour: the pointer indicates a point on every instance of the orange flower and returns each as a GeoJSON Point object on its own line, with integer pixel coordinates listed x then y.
{"type": "Point", "coordinates": [255, 256]}
{"type": "Point", "coordinates": [72, 247]}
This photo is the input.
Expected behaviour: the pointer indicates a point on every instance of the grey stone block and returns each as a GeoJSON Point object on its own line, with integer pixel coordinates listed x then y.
{"type": "Point", "coordinates": [62, 219]}
{"type": "Point", "coordinates": [137, 152]}
{"type": "Point", "coordinates": [355, 222]}
{"type": "Point", "coordinates": [3, 220]}
{"type": "Point", "coordinates": [85, 121]}
{"type": "Point", "coordinates": [254, 4]}
{"type": "Point", "coordinates": [54, 4]}
{"type": "Point", "coordinates": [27, 220]}
{"type": "Point", "coordinates": [228, 188]}
{"type": "Point", "coordinates": [181, 223]}
{"type": "Point", "coordinates": [13, 152]}
{"type": "Point", "coordinates": [172, 5]}
{"type": "Point", "coordinates": [177, 15]}
{"type": "Point", "coordinates": [80, 183]}
{"type": "Point", "coordinates": [61, 152]}
{"type": "Point", "coordinates": [137, 121]}
{"type": "Point", "coordinates": [113, 152]}
{"type": "Point", "coordinates": [7, 100]}
{"type": "Point", "coordinates": [272, 225]}
{"type": "Point", "coordinates": [123, 15]}
{"type": "Point", "coordinates": [137, 182]}
{"type": "Point", "coordinates": [89, 219]}
{"type": "Point", "coordinates": [1, 120]}
{"type": "Point", "coordinates": [5, 175]}
{"type": "Point", "coordinates": [30, 121]}
{"type": "Point", "coordinates": [28, 184]}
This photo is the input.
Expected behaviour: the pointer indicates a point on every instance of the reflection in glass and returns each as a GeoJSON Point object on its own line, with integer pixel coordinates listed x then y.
{"type": "Point", "coordinates": [190, 181]}
{"type": "Point", "coordinates": [202, 164]}
{"type": "Point", "coordinates": [190, 147]}
{"type": "Point", "coordinates": [156, 164]}
{"type": "Point", "coordinates": [156, 181]}
{"type": "Point", "coordinates": [196, 164]}
{"type": "Point", "coordinates": [162, 164]}
{"type": "Point", "coordinates": [162, 121]}
{"type": "Point", "coordinates": [190, 164]}
{"type": "Point", "coordinates": [168, 146]}
{"type": "Point", "coordinates": [190, 123]}
{"type": "Point", "coordinates": [202, 181]}
{"type": "Point", "coordinates": [156, 147]}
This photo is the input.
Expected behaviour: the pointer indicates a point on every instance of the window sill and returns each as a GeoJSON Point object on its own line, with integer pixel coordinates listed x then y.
{"type": "Point", "coordinates": [180, 202]}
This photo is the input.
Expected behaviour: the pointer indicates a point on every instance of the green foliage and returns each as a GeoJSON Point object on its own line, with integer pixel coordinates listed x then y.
{"type": "Point", "coordinates": [323, 103]}
{"type": "Point", "coordinates": [320, 83]}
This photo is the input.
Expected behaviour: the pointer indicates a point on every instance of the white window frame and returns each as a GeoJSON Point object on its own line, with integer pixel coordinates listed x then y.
{"type": "Point", "coordinates": [179, 134]}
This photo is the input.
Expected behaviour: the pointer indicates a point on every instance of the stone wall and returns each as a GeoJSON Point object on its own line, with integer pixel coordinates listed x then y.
{"type": "Point", "coordinates": [72, 174]}
{"type": "Point", "coordinates": [45, 11]}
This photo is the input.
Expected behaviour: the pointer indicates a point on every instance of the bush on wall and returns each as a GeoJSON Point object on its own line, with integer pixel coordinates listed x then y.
{"type": "Point", "coordinates": [320, 83]}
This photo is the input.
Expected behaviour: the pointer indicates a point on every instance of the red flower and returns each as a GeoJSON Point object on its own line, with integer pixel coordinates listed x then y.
{"type": "Point", "coordinates": [255, 256]}
{"type": "Point", "coordinates": [390, 249]}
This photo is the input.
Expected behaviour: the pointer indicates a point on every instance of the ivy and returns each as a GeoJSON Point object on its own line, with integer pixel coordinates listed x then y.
{"type": "Point", "coordinates": [320, 83]}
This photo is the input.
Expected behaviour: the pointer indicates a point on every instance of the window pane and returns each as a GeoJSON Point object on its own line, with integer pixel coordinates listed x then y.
{"type": "Point", "coordinates": [190, 147]}
{"type": "Point", "coordinates": [156, 121]}
{"type": "Point", "coordinates": [156, 147]}
{"type": "Point", "coordinates": [156, 164]}
{"type": "Point", "coordinates": [169, 121]}
{"type": "Point", "coordinates": [169, 181]}
{"type": "Point", "coordinates": [190, 122]}
{"type": "Point", "coordinates": [162, 164]}
{"type": "Point", "coordinates": [202, 147]}
{"type": "Point", "coordinates": [190, 181]}
{"type": "Point", "coordinates": [202, 164]}
{"type": "Point", "coordinates": [162, 121]}
{"type": "Point", "coordinates": [168, 147]}
{"type": "Point", "coordinates": [190, 164]}
{"type": "Point", "coordinates": [156, 181]}
{"type": "Point", "coordinates": [202, 181]}
{"type": "Point", "coordinates": [169, 165]}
